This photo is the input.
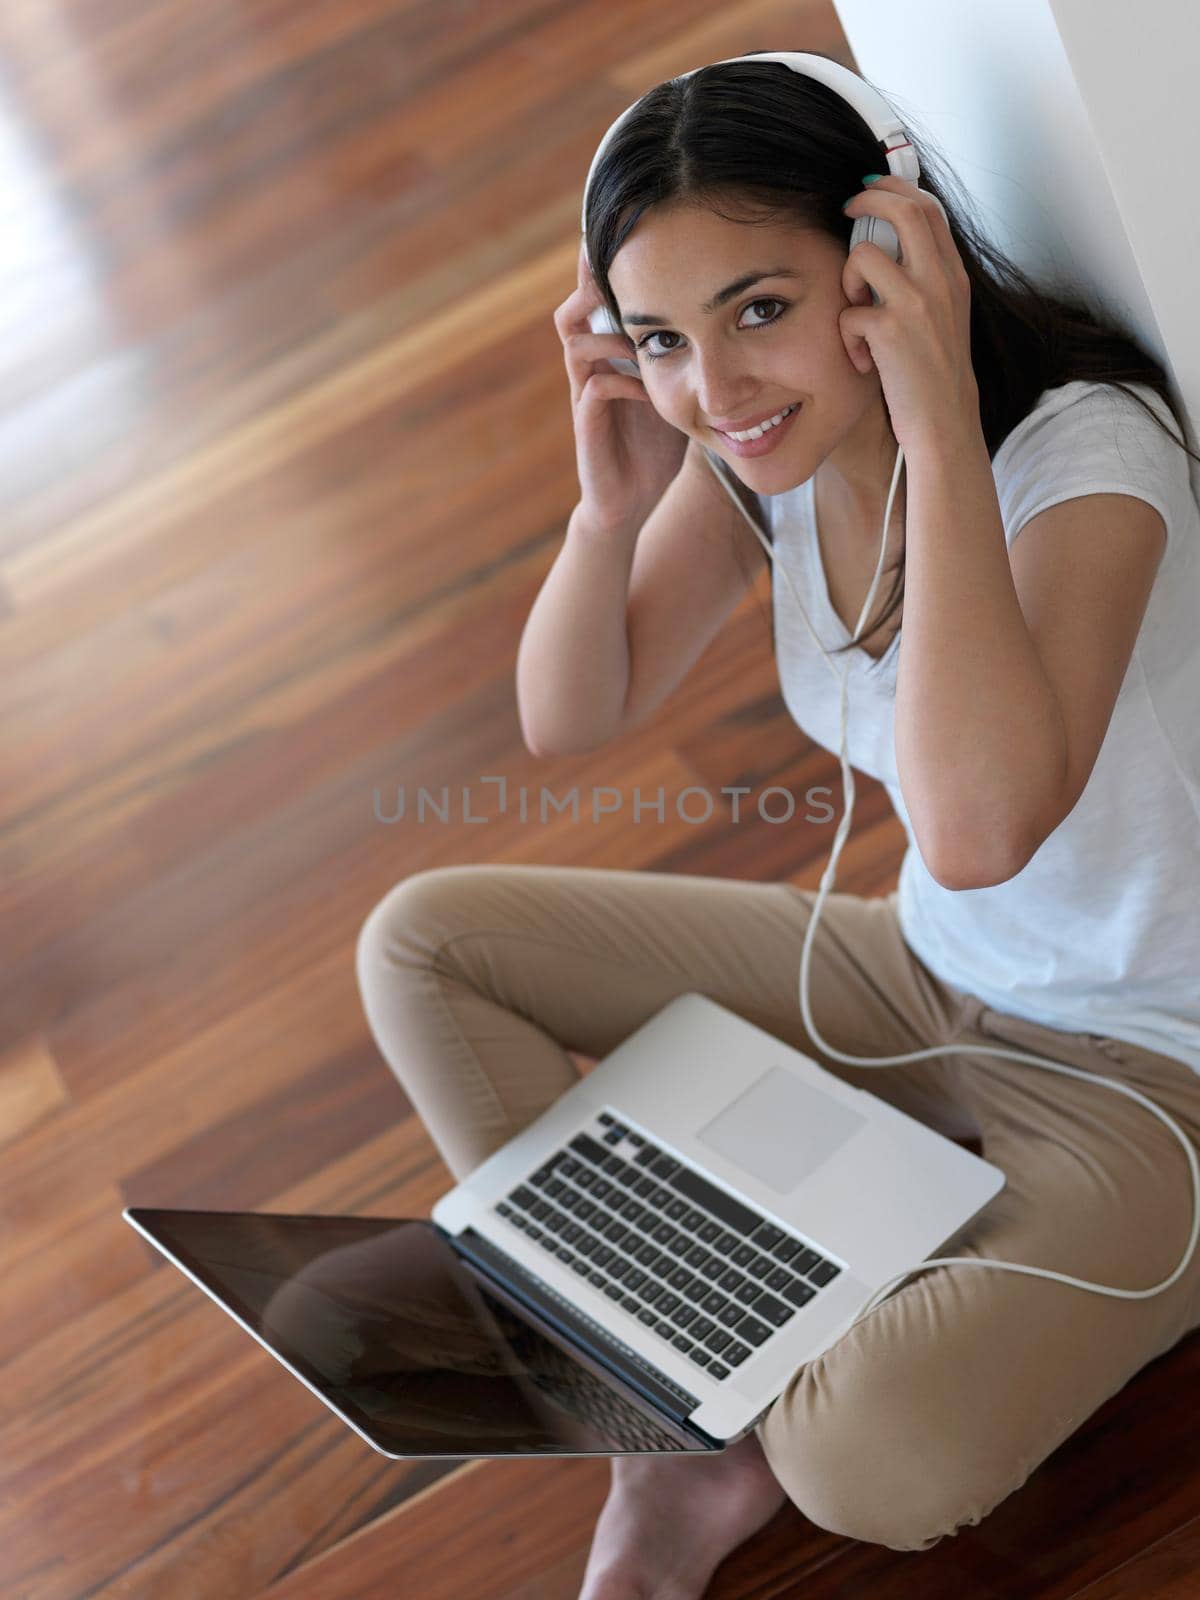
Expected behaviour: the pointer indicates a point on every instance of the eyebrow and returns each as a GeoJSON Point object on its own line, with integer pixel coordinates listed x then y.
{"type": "Point", "coordinates": [756, 275]}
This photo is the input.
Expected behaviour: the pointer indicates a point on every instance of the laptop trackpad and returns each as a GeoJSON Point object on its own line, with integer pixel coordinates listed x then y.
{"type": "Point", "coordinates": [780, 1130]}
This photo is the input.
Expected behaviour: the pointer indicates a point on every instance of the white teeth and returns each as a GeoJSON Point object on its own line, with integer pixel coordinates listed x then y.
{"type": "Point", "coordinates": [759, 429]}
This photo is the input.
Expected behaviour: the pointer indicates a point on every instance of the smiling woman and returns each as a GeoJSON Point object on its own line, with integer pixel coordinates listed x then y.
{"type": "Point", "coordinates": [724, 364]}
{"type": "Point", "coordinates": [794, 152]}
{"type": "Point", "coordinates": [1036, 704]}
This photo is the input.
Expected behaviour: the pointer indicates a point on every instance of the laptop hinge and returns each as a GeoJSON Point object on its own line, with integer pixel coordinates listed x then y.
{"type": "Point", "coordinates": [624, 1362]}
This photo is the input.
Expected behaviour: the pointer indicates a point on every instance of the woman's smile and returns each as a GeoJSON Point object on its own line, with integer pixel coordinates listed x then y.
{"type": "Point", "coordinates": [767, 441]}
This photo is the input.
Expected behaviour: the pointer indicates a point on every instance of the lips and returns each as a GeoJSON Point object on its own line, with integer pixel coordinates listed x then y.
{"type": "Point", "coordinates": [751, 422]}
{"type": "Point", "coordinates": [765, 442]}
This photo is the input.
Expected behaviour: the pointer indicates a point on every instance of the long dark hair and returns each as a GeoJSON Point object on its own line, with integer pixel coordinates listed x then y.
{"type": "Point", "coordinates": [774, 144]}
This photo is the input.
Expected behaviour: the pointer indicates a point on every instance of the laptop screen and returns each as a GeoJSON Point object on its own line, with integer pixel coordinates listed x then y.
{"type": "Point", "coordinates": [383, 1321]}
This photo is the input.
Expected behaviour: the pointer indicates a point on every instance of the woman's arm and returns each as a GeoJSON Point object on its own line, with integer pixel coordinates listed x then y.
{"type": "Point", "coordinates": [980, 741]}
{"type": "Point", "coordinates": [1011, 660]}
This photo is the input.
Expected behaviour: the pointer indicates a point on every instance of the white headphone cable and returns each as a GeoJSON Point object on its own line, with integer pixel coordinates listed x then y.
{"type": "Point", "coordinates": [939, 1050]}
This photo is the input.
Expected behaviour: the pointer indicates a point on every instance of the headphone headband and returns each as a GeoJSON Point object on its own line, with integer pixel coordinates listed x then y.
{"type": "Point", "coordinates": [882, 119]}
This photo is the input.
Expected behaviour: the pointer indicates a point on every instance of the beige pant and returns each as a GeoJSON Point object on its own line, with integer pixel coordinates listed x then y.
{"type": "Point", "coordinates": [477, 981]}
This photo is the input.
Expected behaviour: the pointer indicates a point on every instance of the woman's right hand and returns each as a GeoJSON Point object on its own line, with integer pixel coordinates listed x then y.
{"type": "Point", "coordinates": [625, 452]}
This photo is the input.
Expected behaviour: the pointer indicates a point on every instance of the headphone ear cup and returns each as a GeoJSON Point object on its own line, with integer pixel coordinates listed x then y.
{"type": "Point", "coordinates": [876, 230]}
{"type": "Point", "coordinates": [600, 320]}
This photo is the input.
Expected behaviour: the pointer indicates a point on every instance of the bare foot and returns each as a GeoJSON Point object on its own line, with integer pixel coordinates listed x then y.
{"type": "Point", "coordinates": [669, 1521]}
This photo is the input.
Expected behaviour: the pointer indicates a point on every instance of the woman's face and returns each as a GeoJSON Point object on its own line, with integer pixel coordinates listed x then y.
{"type": "Point", "coordinates": [773, 343]}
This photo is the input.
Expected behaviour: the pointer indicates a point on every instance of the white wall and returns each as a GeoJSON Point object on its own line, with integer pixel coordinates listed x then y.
{"type": "Point", "coordinates": [1074, 125]}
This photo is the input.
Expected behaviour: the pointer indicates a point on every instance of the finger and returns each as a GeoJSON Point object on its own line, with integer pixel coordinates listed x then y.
{"type": "Point", "coordinates": [868, 268]}
{"type": "Point", "coordinates": [918, 246]}
{"type": "Point", "coordinates": [858, 351]}
{"type": "Point", "coordinates": [587, 353]}
{"type": "Point", "coordinates": [932, 219]}
{"type": "Point", "coordinates": [602, 386]}
{"type": "Point", "coordinates": [577, 307]}
{"type": "Point", "coordinates": [584, 354]}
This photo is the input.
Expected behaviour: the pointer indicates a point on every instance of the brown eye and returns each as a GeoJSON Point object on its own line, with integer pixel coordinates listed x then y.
{"type": "Point", "coordinates": [751, 305]}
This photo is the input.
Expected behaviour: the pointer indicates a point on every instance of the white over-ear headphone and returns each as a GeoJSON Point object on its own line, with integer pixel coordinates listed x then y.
{"type": "Point", "coordinates": [871, 107]}
{"type": "Point", "coordinates": [901, 158]}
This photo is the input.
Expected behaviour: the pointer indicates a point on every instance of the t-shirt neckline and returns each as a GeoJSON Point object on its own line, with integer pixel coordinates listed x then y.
{"type": "Point", "coordinates": [870, 664]}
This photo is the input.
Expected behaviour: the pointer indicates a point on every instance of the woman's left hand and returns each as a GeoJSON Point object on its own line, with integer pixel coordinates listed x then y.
{"type": "Point", "coordinates": [919, 336]}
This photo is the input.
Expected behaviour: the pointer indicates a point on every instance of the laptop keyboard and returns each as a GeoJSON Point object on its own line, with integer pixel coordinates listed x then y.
{"type": "Point", "coordinates": [705, 1272]}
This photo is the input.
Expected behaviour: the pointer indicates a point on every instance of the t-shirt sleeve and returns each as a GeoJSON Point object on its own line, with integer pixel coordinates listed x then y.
{"type": "Point", "coordinates": [1100, 441]}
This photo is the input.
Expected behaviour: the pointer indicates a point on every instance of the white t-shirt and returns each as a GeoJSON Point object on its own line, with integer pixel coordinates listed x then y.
{"type": "Point", "coordinates": [1100, 932]}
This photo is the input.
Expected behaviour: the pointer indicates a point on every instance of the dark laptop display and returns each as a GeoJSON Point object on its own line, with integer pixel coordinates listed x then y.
{"type": "Point", "coordinates": [409, 1342]}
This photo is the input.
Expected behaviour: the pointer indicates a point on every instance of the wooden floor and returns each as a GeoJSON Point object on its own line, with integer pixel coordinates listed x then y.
{"type": "Point", "coordinates": [285, 453]}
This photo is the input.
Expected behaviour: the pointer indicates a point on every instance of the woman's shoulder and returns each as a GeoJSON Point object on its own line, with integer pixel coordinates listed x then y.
{"type": "Point", "coordinates": [1089, 436]}
{"type": "Point", "coordinates": [1090, 423]}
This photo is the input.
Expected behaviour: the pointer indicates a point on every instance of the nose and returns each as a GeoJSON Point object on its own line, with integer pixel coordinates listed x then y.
{"type": "Point", "coordinates": [724, 388]}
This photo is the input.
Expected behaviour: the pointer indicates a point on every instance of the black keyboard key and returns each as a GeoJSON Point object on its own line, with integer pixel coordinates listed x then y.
{"type": "Point", "coordinates": [767, 1236]}
{"type": "Point", "coordinates": [737, 1217]}
{"type": "Point", "coordinates": [772, 1310]}
{"type": "Point", "coordinates": [799, 1293]}
{"type": "Point", "coordinates": [589, 1149]}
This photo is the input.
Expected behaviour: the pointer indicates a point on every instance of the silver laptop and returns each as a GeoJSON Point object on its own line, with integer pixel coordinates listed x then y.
{"type": "Point", "coordinates": [640, 1270]}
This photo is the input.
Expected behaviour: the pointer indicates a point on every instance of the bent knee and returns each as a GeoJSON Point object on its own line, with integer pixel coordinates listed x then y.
{"type": "Point", "coordinates": [416, 915]}
{"type": "Point", "coordinates": [870, 1476]}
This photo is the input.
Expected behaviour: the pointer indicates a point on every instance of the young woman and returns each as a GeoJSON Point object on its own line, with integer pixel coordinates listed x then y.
{"type": "Point", "coordinates": [1032, 718]}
